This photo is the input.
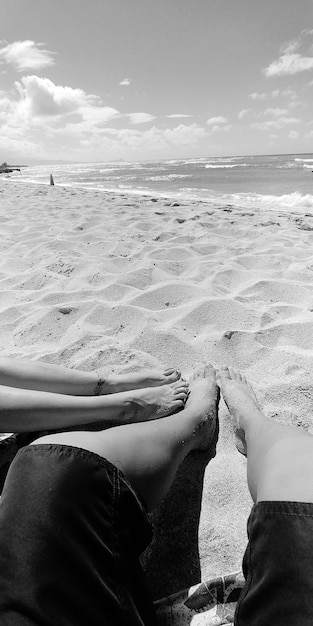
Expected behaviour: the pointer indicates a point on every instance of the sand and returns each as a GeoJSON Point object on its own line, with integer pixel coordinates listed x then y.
{"type": "Point", "coordinates": [119, 283]}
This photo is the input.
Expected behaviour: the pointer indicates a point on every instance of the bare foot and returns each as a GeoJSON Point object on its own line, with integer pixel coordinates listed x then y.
{"type": "Point", "coordinates": [155, 402]}
{"type": "Point", "coordinates": [140, 380]}
{"type": "Point", "coordinates": [241, 402]}
{"type": "Point", "coordinates": [202, 405]}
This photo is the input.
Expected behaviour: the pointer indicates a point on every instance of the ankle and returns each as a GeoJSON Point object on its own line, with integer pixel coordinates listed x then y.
{"type": "Point", "coordinates": [254, 421]}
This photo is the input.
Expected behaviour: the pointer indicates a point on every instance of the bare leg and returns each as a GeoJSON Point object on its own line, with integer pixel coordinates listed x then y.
{"type": "Point", "coordinates": [25, 410]}
{"type": "Point", "coordinates": [39, 376]}
{"type": "Point", "coordinates": [280, 458]}
{"type": "Point", "coordinates": [149, 453]}
{"type": "Point", "coordinates": [138, 380]}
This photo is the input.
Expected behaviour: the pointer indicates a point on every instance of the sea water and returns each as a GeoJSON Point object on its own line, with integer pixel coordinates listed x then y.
{"type": "Point", "coordinates": [273, 181]}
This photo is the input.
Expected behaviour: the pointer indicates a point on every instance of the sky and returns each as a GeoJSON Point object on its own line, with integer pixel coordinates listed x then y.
{"type": "Point", "coordinates": [154, 79]}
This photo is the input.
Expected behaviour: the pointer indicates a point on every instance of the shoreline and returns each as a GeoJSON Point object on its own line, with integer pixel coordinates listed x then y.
{"type": "Point", "coordinates": [214, 203]}
{"type": "Point", "coordinates": [132, 192]}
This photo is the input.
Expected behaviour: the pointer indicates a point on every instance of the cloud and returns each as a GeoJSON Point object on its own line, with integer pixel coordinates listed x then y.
{"type": "Point", "coordinates": [130, 142]}
{"type": "Point", "coordinates": [293, 134]}
{"type": "Point", "coordinates": [291, 61]}
{"type": "Point", "coordinates": [154, 137]}
{"type": "Point", "coordinates": [258, 96]}
{"type": "Point", "coordinates": [41, 109]}
{"type": "Point", "coordinates": [9, 144]}
{"type": "Point", "coordinates": [289, 93]}
{"type": "Point", "coordinates": [216, 120]}
{"type": "Point", "coordinates": [140, 118]}
{"type": "Point", "coordinates": [25, 55]}
{"type": "Point", "coordinates": [174, 115]}
{"type": "Point", "coordinates": [275, 124]}
{"type": "Point", "coordinates": [125, 83]}
{"type": "Point", "coordinates": [218, 124]}
{"type": "Point", "coordinates": [243, 113]}
{"type": "Point", "coordinates": [289, 64]}
{"type": "Point", "coordinates": [276, 112]}
{"type": "Point", "coordinates": [267, 95]}
{"type": "Point", "coordinates": [42, 97]}
{"type": "Point", "coordinates": [40, 118]}
{"type": "Point", "coordinates": [217, 129]}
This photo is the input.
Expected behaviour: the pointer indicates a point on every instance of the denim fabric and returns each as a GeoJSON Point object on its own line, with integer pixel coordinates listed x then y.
{"type": "Point", "coordinates": [278, 566]}
{"type": "Point", "coordinates": [71, 532]}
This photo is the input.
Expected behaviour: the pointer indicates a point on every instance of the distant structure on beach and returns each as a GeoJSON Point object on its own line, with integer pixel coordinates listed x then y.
{"type": "Point", "coordinates": [7, 169]}
{"type": "Point", "coordinates": [51, 180]}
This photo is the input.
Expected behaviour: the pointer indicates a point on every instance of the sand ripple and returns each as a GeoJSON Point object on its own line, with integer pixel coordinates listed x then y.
{"type": "Point", "coordinates": [93, 280]}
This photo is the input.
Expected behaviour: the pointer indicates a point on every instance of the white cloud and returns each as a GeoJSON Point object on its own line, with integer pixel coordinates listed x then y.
{"type": "Point", "coordinates": [216, 120]}
{"type": "Point", "coordinates": [243, 113]}
{"type": "Point", "coordinates": [42, 109]}
{"type": "Point", "coordinates": [258, 96]}
{"type": "Point", "coordinates": [289, 64]}
{"type": "Point", "coordinates": [275, 124]}
{"type": "Point", "coordinates": [181, 135]}
{"type": "Point", "coordinates": [10, 144]}
{"type": "Point", "coordinates": [174, 115]}
{"type": "Point", "coordinates": [290, 61]}
{"type": "Point", "coordinates": [293, 134]}
{"type": "Point", "coordinates": [96, 115]}
{"type": "Point", "coordinates": [289, 93]}
{"type": "Point", "coordinates": [43, 97]}
{"type": "Point", "coordinates": [140, 118]}
{"type": "Point", "coordinates": [276, 112]}
{"type": "Point", "coordinates": [134, 142]}
{"type": "Point", "coordinates": [51, 121]}
{"type": "Point", "coordinates": [217, 129]}
{"type": "Point", "coordinates": [125, 83]}
{"type": "Point", "coordinates": [267, 95]}
{"type": "Point", "coordinates": [25, 55]}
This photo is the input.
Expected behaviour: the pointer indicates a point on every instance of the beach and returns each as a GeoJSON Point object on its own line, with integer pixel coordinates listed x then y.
{"type": "Point", "coordinates": [119, 283]}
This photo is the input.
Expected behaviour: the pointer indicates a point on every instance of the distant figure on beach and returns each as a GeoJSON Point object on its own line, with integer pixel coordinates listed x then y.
{"type": "Point", "coordinates": [51, 180]}
{"type": "Point", "coordinates": [74, 511]}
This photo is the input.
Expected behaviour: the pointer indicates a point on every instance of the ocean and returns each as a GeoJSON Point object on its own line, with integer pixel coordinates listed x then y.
{"type": "Point", "coordinates": [273, 181]}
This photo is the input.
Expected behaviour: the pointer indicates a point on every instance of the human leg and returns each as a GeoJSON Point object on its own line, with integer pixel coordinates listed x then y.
{"type": "Point", "coordinates": [71, 531]}
{"type": "Point", "coordinates": [278, 562]}
{"type": "Point", "coordinates": [40, 376]}
{"type": "Point", "coordinates": [279, 457]}
{"type": "Point", "coordinates": [149, 453]}
{"type": "Point", "coordinates": [83, 525]}
{"type": "Point", "coordinates": [23, 410]}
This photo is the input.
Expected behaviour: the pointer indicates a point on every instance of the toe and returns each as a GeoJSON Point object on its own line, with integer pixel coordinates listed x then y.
{"type": "Point", "coordinates": [209, 371]}
{"type": "Point", "coordinates": [234, 374]}
{"type": "Point", "coordinates": [196, 374]}
{"type": "Point", "coordinates": [180, 396]}
{"type": "Point", "coordinates": [181, 385]}
{"type": "Point", "coordinates": [172, 375]}
{"type": "Point", "coordinates": [178, 404]}
{"type": "Point", "coordinates": [224, 372]}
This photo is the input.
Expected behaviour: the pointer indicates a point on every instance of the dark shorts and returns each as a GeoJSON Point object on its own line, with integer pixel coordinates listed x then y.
{"type": "Point", "coordinates": [278, 566]}
{"type": "Point", "coordinates": [71, 532]}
